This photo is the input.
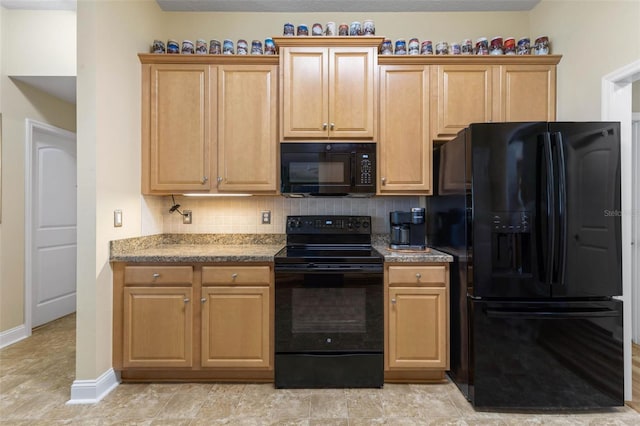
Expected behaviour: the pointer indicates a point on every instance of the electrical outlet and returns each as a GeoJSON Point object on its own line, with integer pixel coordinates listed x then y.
{"type": "Point", "coordinates": [187, 217]}
{"type": "Point", "coordinates": [266, 217]}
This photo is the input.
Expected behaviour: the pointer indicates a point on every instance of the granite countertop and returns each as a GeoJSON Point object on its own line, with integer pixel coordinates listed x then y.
{"type": "Point", "coordinates": [429, 255]}
{"type": "Point", "coordinates": [234, 248]}
{"type": "Point", "coordinates": [197, 248]}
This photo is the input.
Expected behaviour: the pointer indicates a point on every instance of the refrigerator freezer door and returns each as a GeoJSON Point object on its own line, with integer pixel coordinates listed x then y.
{"type": "Point", "coordinates": [588, 261]}
{"type": "Point", "coordinates": [511, 209]}
{"type": "Point", "coordinates": [546, 355]}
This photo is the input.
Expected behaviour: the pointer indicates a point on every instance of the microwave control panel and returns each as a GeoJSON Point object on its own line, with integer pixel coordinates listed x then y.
{"type": "Point", "coordinates": [365, 169]}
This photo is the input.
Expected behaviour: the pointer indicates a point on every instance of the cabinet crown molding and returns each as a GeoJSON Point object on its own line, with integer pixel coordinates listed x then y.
{"type": "Point", "coordinates": [325, 41]}
{"type": "Point", "coordinates": [469, 59]}
{"type": "Point", "coordinates": [164, 58]}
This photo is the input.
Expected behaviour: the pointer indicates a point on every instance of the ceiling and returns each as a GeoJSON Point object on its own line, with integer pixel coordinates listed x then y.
{"type": "Point", "coordinates": [65, 87]}
{"type": "Point", "coordinates": [345, 6]}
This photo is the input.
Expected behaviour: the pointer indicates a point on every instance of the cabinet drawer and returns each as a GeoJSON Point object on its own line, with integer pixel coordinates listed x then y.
{"type": "Point", "coordinates": [240, 275]}
{"type": "Point", "coordinates": [431, 275]}
{"type": "Point", "coordinates": [158, 275]}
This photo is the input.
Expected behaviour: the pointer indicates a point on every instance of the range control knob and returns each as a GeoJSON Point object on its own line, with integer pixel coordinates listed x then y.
{"type": "Point", "coordinates": [365, 224]}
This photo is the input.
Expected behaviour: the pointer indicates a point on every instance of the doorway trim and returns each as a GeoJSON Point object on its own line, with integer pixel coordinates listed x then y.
{"type": "Point", "coordinates": [30, 127]}
{"type": "Point", "coordinates": [616, 106]}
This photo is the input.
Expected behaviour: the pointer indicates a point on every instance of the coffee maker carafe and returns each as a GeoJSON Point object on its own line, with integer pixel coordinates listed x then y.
{"type": "Point", "coordinates": [408, 229]}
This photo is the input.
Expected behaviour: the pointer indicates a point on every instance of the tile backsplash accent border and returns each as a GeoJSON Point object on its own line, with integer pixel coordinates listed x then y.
{"type": "Point", "coordinates": [241, 215]}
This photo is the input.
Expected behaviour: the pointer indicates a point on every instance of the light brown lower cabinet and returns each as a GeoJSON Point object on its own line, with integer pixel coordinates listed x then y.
{"type": "Point", "coordinates": [417, 322]}
{"type": "Point", "coordinates": [193, 322]}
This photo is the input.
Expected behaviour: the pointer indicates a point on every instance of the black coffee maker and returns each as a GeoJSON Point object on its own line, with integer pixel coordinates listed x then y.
{"type": "Point", "coordinates": [408, 229]}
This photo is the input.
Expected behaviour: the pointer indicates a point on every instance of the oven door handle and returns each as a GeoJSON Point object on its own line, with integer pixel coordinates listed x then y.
{"type": "Point", "coordinates": [319, 269]}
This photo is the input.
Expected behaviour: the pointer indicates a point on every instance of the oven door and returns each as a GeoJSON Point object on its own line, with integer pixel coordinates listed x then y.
{"type": "Point", "coordinates": [329, 309]}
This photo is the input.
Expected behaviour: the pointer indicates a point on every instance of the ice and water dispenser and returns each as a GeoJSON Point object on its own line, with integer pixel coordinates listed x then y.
{"type": "Point", "coordinates": [511, 243]}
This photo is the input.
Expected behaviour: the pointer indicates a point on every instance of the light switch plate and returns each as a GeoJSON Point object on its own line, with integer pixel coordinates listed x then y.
{"type": "Point", "coordinates": [186, 217]}
{"type": "Point", "coordinates": [117, 218]}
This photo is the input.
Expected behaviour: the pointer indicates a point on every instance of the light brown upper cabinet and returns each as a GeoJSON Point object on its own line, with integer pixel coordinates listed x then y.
{"type": "Point", "coordinates": [328, 87]}
{"type": "Point", "coordinates": [527, 93]}
{"type": "Point", "coordinates": [487, 89]}
{"type": "Point", "coordinates": [209, 124]}
{"type": "Point", "coordinates": [177, 123]}
{"type": "Point", "coordinates": [464, 95]}
{"type": "Point", "coordinates": [247, 127]}
{"type": "Point", "coordinates": [404, 146]}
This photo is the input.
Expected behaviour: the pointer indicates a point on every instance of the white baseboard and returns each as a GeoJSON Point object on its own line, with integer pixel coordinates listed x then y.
{"type": "Point", "coordinates": [92, 391]}
{"type": "Point", "coordinates": [14, 335]}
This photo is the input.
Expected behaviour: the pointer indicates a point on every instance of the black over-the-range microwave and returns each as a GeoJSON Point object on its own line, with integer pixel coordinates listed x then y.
{"type": "Point", "coordinates": [327, 169]}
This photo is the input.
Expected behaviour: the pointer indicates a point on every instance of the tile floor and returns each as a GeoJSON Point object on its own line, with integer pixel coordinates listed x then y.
{"type": "Point", "coordinates": [36, 375]}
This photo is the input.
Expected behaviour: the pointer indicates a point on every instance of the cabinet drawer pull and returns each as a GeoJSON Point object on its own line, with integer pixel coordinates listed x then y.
{"type": "Point", "coordinates": [156, 276]}
{"type": "Point", "coordinates": [393, 301]}
{"type": "Point", "coordinates": [234, 276]}
{"type": "Point", "coordinates": [203, 300]}
{"type": "Point", "coordinates": [204, 179]}
{"type": "Point", "coordinates": [186, 300]}
{"type": "Point", "coordinates": [418, 276]}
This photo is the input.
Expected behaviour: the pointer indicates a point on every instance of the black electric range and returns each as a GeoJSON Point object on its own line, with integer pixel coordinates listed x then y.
{"type": "Point", "coordinates": [328, 305]}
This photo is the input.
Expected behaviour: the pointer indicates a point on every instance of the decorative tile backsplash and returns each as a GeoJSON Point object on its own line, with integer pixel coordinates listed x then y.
{"type": "Point", "coordinates": [228, 215]}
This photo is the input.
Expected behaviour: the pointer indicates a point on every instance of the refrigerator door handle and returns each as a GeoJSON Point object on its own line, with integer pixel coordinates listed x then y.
{"type": "Point", "coordinates": [551, 209]}
{"type": "Point", "coordinates": [499, 313]}
{"type": "Point", "coordinates": [561, 254]}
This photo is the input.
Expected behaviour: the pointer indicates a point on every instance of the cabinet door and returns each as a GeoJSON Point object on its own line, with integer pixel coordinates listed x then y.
{"type": "Point", "coordinates": [178, 135]}
{"type": "Point", "coordinates": [158, 324]}
{"type": "Point", "coordinates": [417, 335]}
{"type": "Point", "coordinates": [464, 96]}
{"type": "Point", "coordinates": [247, 127]}
{"type": "Point", "coordinates": [235, 327]}
{"type": "Point", "coordinates": [528, 92]}
{"type": "Point", "coordinates": [352, 80]}
{"type": "Point", "coordinates": [405, 142]}
{"type": "Point", "coordinates": [305, 96]}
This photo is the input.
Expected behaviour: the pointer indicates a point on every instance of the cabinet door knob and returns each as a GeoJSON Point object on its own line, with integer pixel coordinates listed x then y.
{"type": "Point", "coordinates": [156, 275]}
{"type": "Point", "coordinates": [393, 301]}
{"type": "Point", "coordinates": [186, 300]}
{"type": "Point", "coordinates": [384, 180]}
{"type": "Point", "coordinates": [204, 179]}
{"type": "Point", "coordinates": [203, 300]}
{"type": "Point", "coordinates": [219, 178]}
{"type": "Point", "coordinates": [324, 126]}
{"type": "Point", "coordinates": [234, 276]}
{"type": "Point", "coordinates": [333, 125]}
{"type": "Point", "coordinates": [418, 275]}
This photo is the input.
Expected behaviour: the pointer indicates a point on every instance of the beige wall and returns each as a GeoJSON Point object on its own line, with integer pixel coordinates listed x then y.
{"type": "Point", "coordinates": [40, 42]}
{"type": "Point", "coordinates": [595, 38]}
{"type": "Point", "coordinates": [635, 93]}
{"type": "Point", "coordinates": [439, 26]}
{"type": "Point", "coordinates": [110, 34]}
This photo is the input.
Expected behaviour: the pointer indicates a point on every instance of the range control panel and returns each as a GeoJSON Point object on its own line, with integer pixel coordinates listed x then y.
{"type": "Point", "coordinates": [329, 224]}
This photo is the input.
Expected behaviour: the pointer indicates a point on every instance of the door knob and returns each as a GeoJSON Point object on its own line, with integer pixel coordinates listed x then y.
{"type": "Point", "coordinates": [393, 301]}
{"type": "Point", "coordinates": [324, 126]}
{"type": "Point", "coordinates": [234, 276]}
{"type": "Point", "coordinates": [186, 300]}
{"type": "Point", "coordinates": [418, 275]}
{"type": "Point", "coordinates": [333, 125]}
{"type": "Point", "coordinates": [203, 300]}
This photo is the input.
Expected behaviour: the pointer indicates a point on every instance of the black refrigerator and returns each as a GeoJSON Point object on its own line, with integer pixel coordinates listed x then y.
{"type": "Point", "coordinates": [530, 213]}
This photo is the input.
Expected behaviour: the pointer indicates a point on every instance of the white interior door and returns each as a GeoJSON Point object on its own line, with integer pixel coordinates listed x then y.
{"type": "Point", "coordinates": [53, 222]}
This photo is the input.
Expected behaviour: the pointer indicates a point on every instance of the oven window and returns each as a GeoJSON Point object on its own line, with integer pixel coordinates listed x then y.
{"type": "Point", "coordinates": [329, 310]}
{"type": "Point", "coordinates": [316, 172]}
